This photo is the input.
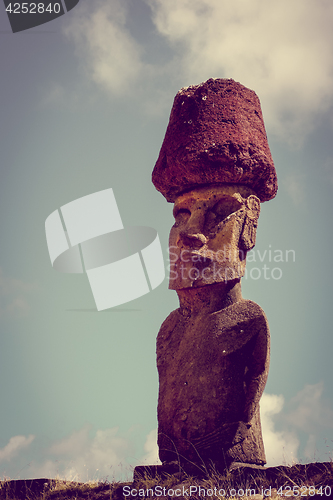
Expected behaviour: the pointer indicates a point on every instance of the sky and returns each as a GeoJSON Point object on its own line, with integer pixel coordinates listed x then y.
{"type": "Point", "coordinates": [85, 101]}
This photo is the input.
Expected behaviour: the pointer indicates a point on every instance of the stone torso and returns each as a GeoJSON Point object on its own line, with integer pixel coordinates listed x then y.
{"type": "Point", "coordinates": [212, 370]}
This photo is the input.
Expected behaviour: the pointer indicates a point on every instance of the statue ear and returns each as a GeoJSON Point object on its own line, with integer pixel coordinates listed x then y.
{"type": "Point", "coordinates": [248, 235]}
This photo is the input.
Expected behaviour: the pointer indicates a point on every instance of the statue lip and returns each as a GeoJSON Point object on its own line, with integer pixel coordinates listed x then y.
{"type": "Point", "coordinates": [187, 254]}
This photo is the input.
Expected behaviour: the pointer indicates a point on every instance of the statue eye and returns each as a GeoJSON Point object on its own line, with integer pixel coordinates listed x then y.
{"type": "Point", "coordinates": [219, 212]}
{"type": "Point", "coordinates": [226, 207]}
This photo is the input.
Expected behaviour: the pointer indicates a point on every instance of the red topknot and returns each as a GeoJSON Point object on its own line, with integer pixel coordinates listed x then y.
{"type": "Point", "coordinates": [216, 135]}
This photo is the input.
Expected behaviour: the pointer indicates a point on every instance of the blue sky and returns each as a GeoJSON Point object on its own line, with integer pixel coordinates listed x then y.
{"type": "Point", "coordinates": [85, 101]}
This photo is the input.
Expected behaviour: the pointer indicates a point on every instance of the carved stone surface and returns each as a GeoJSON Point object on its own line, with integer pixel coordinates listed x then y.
{"type": "Point", "coordinates": [214, 228]}
{"type": "Point", "coordinates": [213, 352]}
{"type": "Point", "coordinates": [216, 134]}
{"type": "Point", "coordinates": [213, 368]}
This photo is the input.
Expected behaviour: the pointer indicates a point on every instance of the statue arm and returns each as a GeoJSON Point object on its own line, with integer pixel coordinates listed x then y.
{"type": "Point", "coordinates": [257, 371]}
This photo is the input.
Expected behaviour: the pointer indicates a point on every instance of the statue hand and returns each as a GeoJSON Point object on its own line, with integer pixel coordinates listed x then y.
{"type": "Point", "coordinates": [241, 432]}
{"type": "Point", "coordinates": [228, 434]}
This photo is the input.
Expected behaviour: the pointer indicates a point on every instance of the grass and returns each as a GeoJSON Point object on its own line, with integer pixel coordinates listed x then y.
{"type": "Point", "coordinates": [308, 480]}
{"type": "Point", "coordinates": [56, 489]}
{"type": "Point", "coordinates": [304, 481]}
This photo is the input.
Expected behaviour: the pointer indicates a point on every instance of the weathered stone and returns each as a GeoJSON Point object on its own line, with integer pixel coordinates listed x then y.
{"type": "Point", "coordinates": [212, 369]}
{"type": "Point", "coordinates": [214, 228]}
{"type": "Point", "coordinates": [213, 352]}
{"type": "Point", "coordinates": [264, 480]}
{"type": "Point", "coordinates": [216, 134]}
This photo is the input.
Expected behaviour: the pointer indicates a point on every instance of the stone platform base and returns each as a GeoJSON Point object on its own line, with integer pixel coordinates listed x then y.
{"type": "Point", "coordinates": [177, 470]}
{"type": "Point", "coordinates": [253, 475]}
{"type": "Point", "coordinates": [163, 471]}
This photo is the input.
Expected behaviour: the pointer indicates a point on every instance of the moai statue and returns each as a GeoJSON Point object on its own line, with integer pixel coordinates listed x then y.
{"type": "Point", "coordinates": [213, 351]}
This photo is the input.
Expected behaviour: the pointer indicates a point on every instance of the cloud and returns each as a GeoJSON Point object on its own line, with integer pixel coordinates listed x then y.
{"type": "Point", "coordinates": [151, 449]}
{"type": "Point", "coordinates": [74, 444]}
{"type": "Point", "coordinates": [14, 295]}
{"type": "Point", "coordinates": [83, 457]}
{"type": "Point", "coordinates": [308, 410]}
{"type": "Point", "coordinates": [280, 446]}
{"type": "Point", "coordinates": [108, 454]}
{"type": "Point", "coordinates": [80, 456]}
{"type": "Point", "coordinates": [15, 445]}
{"type": "Point", "coordinates": [283, 50]}
{"type": "Point", "coordinates": [307, 420]}
{"type": "Point", "coordinates": [110, 55]}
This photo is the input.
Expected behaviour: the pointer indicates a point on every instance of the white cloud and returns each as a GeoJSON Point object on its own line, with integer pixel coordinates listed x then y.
{"type": "Point", "coordinates": [15, 445]}
{"type": "Point", "coordinates": [111, 56]}
{"type": "Point", "coordinates": [307, 416]}
{"type": "Point", "coordinates": [283, 50]}
{"type": "Point", "coordinates": [80, 456]}
{"type": "Point", "coordinates": [280, 446]}
{"type": "Point", "coordinates": [151, 449]}
{"type": "Point", "coordinates": [309, 410]}
{"type": "Point", "coordinates": [74, 444]}
{"type": "Point", "coordinates": [83, 457]}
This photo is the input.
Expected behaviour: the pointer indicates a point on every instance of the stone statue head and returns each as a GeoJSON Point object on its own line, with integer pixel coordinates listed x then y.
{"type": "Point", "coordinates": [215, 165]}
{"type": "Point", "coordinates": [215, 226]}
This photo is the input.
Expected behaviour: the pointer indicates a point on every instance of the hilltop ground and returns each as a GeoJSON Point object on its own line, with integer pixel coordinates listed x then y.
{"type": "Point", "coordinates": [307, 481]}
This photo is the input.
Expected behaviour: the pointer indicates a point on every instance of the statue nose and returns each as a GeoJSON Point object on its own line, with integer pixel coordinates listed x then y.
{"type": "Point", "coordinates": [191, 235]}
{"type": "Point", "coordinates": [193, 240]}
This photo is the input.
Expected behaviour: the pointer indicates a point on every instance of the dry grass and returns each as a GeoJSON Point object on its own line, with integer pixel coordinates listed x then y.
{"type": "Point", "coordinates": [308, 480]}
{"type": "Point", "coordinates": [56, 490]}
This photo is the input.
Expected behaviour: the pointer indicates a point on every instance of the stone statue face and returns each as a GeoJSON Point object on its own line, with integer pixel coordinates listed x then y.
{"type": "Point", "coordinates": [214, 228]}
